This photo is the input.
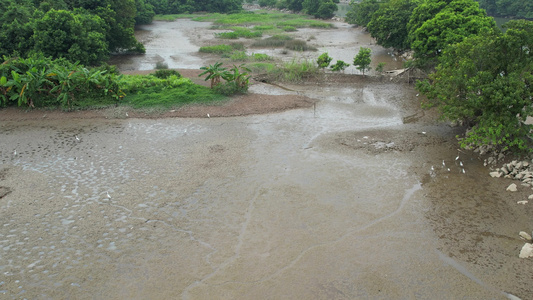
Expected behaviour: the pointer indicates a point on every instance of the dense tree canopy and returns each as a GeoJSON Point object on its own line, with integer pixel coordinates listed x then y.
{"type": "Point", "coordinates": [487, 80]}
{"type": "Point", "coordinates": [361, 12]}
{"type": "Point", "coordinates": [388, 24]}
{"type": "Point", "coordinates": [323, 9]}
{"type": "Point", "coordinates": [189, 6]}
{"type": "Point", "coordinates": [77, 37]}
{"type": "Point", "coordinates": [508, 8]}
{"type": "Point", "coordinates": [436, 24]}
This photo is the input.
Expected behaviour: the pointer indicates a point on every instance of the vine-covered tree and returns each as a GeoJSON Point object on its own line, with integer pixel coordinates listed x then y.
{"type": "Point", "coordinates": [487, 81]}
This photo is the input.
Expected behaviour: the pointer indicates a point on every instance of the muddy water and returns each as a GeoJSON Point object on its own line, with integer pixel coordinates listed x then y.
{"type": "Point", "coordinates": [176, 44]}
{"type": "Point", "coordinates": [340, 201]}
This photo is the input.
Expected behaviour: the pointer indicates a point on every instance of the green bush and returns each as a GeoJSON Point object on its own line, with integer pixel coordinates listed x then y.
{"type": "Point", "coordinates": [273, 41]}
{"type": "Point", "coordinates": [239, 32]}
{"type": "Point", "coordinates": [219, 49]}
{"type": "Point", "coordinates": [298, 45]}
{"type": "Point", "coordinates": [39, 81]}
{"type": "Point", "coordinates": [166, 73]}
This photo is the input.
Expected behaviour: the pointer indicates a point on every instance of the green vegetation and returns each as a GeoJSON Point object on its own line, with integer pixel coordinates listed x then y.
{"type": "Point", "coordinates": [322, 9]}
{"type": "Point", "coordinates": [236, 78]}
{"type": "Point", "coordinates": [508, 8]}
{"type": "Point", "coordinates": [486, 82]}
{"type": "Point", "coordinates": [260, 18]}
{"type": "Point", "coordinates": [380, 67]}
{"type": "Point", "coordinates": [298, 45]}
{"type": "Point", "coordinates": [339, 66]}
{"type": "Point", "coordinates": [294, 71]}
{"type": "Point", "coordinates": [239, 32]}
{"type": "Point", "coordinates": [38, 81]}
{"type": "Point", "coordinates": [324, 60]}
{"type": "Point", "coordinates": [362, 60]}
{"type": "Point", "coordinates": [242, 56]}
{"type": "Point", "coordinates": [435, 25]}
{"type": "Point", "coordinates": [275, 41]}
{"type": "Point", "coordinates": [221, 49]}
{"type": "Point", "coordinates": [388, 24]}
{"type": "Point", "coordinates": [183, 6]}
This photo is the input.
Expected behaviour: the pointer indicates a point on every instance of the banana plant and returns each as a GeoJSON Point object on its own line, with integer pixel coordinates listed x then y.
{"type": "Point", "coordinates": [214, 73]}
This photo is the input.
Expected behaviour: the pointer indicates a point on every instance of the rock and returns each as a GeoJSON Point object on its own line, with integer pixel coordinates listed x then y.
{"type": "Point", "coordinates": [530, 197]}
{"type": "Point", "coordinates": [519, 176]}
{"type": "Point", "coordinates": [527, 251]}
{"type": "Point", "coordinates": [518, 165]}
{"type": "Point", "coordinates": [505, 170]}
{"type": "Point", "coordinates": [512, 187]}
{"type": "Point", "coordinates": [523, 202]}
{"type": "Point", "coordinates": [495, 174]}
{"type": "Point", "coordinates": [525, 236]}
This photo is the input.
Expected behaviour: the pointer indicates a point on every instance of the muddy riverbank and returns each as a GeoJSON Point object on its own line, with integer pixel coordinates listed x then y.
{"type": "Point", "coordinates": [356, 194]}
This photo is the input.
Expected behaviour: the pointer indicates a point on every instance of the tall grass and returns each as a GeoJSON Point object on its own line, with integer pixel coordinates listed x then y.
{"type": "Point", "coordinates": [222, 49]}
{"type": "Point", "coordinates": [294, 71]}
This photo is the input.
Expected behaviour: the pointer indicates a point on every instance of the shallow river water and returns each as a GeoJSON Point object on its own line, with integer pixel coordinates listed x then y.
{"type": "Point", "coordinates": [345, 200]}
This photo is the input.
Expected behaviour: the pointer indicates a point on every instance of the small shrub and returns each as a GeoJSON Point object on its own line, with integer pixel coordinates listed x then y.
{"type": "Point", "coordinates": [218, 49]}
{"type": "Point", "coordinates": [289, 29]}
{"type": "Point", "coordinates": [339, 66]}
{"type": "Point", "coordinates": [299, 45]}
{"type": "Point", "coordinates": [239, 56]}
{"type": "Point", "coordinates": [261, 57]}
{"type": "Point", "coordinates": [161, 65]}
{"type": "Point", "coordinates": [380, 67]}
{"type": "Point", "coordinates": [273, 41]}
{"type": "Point", "coordinates": [324, 60]}
{"type": "Point", "coordinates": [166, 73]}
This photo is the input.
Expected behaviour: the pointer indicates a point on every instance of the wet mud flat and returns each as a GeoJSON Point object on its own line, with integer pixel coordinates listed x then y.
{"type": "Point", "coordinates": [355, 195]}
{"type": "Point", "coordinates": [341, 200]}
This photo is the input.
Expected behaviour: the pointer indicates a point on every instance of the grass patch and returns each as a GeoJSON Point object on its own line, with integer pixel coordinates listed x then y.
{"type": "Point", "coordinates": [242, 56]}
{"type": "Point", "coordinates": [239, 32]}
{"type": "Point", "coordinates": [222, 49]}
{"type": "Point", "coordinates": [150, 91]}
{"type": "Point", "coordinates": [261, 67]}
{"type": "Point", "coordinates": [299, 45]}
{"type": "Point", "coordinates": [170, 18]}
{"type": "Point", "coordinates": [294, 71]}
{"type": "Point", "coordinates": [276, 41]}
{"type": "Point", "coordinates": [264, 18]}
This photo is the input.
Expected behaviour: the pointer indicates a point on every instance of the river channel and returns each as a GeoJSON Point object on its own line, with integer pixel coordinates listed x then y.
{"type": "Point", "coordinates": [353, 198]}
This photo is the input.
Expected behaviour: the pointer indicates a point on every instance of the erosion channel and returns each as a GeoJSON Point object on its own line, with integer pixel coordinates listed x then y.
{"type": "Point", "coordinates": [358, 195]}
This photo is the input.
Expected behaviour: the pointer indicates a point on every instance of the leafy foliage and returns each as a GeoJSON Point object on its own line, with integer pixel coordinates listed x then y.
{"type": "Point", "coordinates": [388, 23]}
{"type": "Point", "coordinates": [236, 78]}
{"type": "Point", "coordinates": [339, 66]}
{"type": "Point", "coordinates": [324, 60]}
{"type": "Point", "coordinates": [362, 60]}
{"type": "Point", "coordinates": [508, 8]}
{"type": "Point", "coordinates": [434, 25]}
{"type": "Point", "coordinates": [40, 81]}
{"type": "Point", "coordinates": [486, 81]}
{"type": "Point", "coordinates": [76, 37]}
{"type": "Point", "coordinates": [322, 9]}
{"type": "Point", "coordinates": [361, 12]}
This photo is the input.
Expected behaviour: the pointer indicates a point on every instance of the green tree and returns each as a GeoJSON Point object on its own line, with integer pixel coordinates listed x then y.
{"type": "Point", "coordinates": [322, 9]}
{"type": "Point", "coordinates": [145, 12]}
{"type": "Point", "coordinates": [361, 12]}
{"type": "Point", "coordinates": [363, 59]}
{"type": "Point", "coordinates": [77, 37]}
{"type": "Point", "coordinates": [389, 23]}
{"type": "Point", "coordinates": [16, 28]}
{"type": "Point", "coordinates": [324, 60]}
{"type": "Point", "coordinates": [339, 66]}
{"type": "Point", "coordinates": [435, 25]}
{"type": "Point", "coordinates": [486, 81]}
